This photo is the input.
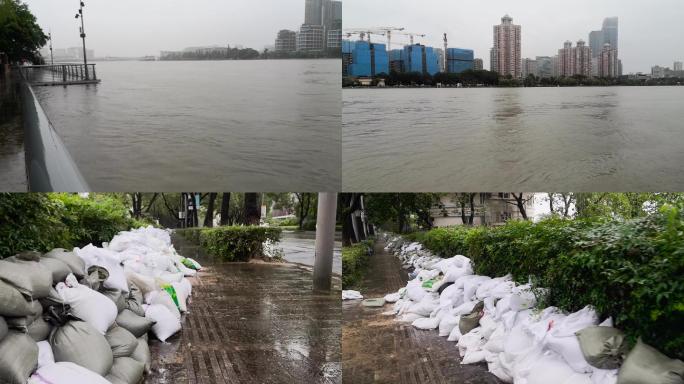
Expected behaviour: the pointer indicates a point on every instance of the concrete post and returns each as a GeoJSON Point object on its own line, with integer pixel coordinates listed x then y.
{"type": "Point", "coordinates": [325, 240]}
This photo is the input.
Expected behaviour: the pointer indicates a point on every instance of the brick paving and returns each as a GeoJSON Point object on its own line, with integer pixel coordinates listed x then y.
{"type": "Point", "coordinates": [252, 323]}
{"type": "Point", "coordinates": [376, 349]}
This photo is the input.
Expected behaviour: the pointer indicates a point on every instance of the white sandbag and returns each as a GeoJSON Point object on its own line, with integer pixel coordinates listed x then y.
{"type": "Point", "coordinates": [472, 341]}
{"type": "Point", "coordinates": [426, 323]}
{"type": "Point", "coordinates": [351, 295]}
{"type": "Point", "coordinates": [568, 347]}
{"type": "Point", "coordinates": [447, 324]}
{"type": "Point", "coordinates": [425, 306]}
{"type": "Point", "coordinates": [93, 256]}
{"type": "Point", "coordinates": [464, 308]}
{"type": "Point", "coordinates": [415, 291]}
{"type": "Point", "coordinates": [455, 334]}
{"type": "Point", "coordinates": [45, 355]}
{"type": "Point", "coordinates": [473, 357]}
{"type": "Point", "coordinates": [91, 306]}
{"type": "Point", "coordinates": [409, 317]}
{"type": "Point", "coordinates": [66, 373]}
{"type": "Point", "coordinates": [470, 286]}
{"type": "Point", "coordinates": [145, 283]}
{"type": "Point", "coordinates": [575, 322]}
{"type": "Point", "coordinates": [552, 369]}
{"type": "Point", "coordinates": [502, 306]}
{"type": "Point", "coordinates": [604, 376]}
{"type": "Point", "coordinates": [163, 298]}
{"type": "Point", "coordinates": [495, 343]}
{"type": "Point", "coordinates": [522, 298]}
{"type": "Point", "coordinates": [182, 294]}
{"type": "Point", "coordinates": [167, 324]}
{"type": "Point", "coordinates": [392, 297]}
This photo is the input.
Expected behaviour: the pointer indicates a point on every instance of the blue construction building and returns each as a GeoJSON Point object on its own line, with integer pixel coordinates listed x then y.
{"type": "Point", "coordinates": [459, 60]}
{"type": "Point", "coordinates": [419, 58]}
{"type": "Point", "coordinates": [367, 59]}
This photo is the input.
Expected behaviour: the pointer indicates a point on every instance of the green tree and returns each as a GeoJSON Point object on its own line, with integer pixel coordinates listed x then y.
{"type": "Point", "coordinates": [396, 210]}
{"type": "Point", "coordinates": [20, 35]}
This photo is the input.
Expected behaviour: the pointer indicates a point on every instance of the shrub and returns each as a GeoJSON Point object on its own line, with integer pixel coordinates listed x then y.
{"type": "Point", "coordinates": [630, 270]}
{"type": "Point", "coordinates": [355, 262]}
{"type": "Point", "coordinates": [237, 243]}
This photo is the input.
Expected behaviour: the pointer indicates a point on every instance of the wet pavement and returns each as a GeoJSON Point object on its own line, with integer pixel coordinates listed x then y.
{"type": "Point", "coordinates": [252, 323]}
{"type": "Point", "coordinates": [377, 349]}
{"type": "Point", "coordinates": [12, 154]}
{"type": "Point", "coordinates": [300, 248]}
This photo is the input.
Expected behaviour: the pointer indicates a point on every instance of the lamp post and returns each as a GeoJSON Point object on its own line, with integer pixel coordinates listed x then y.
{"type": "Point", "coordinates": [83, 35]}
{"type": "Point", "coordinates": [52, 60]}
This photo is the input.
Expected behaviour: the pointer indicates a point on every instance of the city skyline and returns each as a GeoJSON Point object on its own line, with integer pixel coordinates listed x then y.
{"type": "Point", "coordinates": [128, 28]}
{"type": "Point", "coordinates": [543, 31]}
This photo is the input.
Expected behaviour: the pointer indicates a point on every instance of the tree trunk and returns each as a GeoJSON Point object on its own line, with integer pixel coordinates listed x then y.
{"type": "Point", "coordinates": [225, 208]}
{"type": "Point", "coordinates": [349, 203]}
{"type": "Point", "coordinates": [521, 204]}
{"type": "Point", "coordinates": [209, 218]}
{"type": "Point", "coordinates": [472, 209]}
{"type": "Point", "coordinates": [252, 211]}
{"type": "Point", "coordinates": [551, 202]}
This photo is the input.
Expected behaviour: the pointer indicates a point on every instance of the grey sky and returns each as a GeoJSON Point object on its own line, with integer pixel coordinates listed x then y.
{"type": "Point", "coordinates": [138, 28]}
{"type": "Point", "coordinates": [651, 31]}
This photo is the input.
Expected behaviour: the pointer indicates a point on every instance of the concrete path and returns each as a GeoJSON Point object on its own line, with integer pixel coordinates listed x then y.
{"type": "Point", "coordinates": [376, 349]}
{"type": "Point", "coordinates": [252, 323]}
{"type": "Point", "coordinates": [301, 249]}
{"type": "Point", "coordinates": [12, 155]}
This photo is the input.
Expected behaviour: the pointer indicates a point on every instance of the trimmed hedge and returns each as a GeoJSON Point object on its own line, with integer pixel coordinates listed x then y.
{"type": "Point", "coordinates": [237, 243]}
{"type": "Point", "coordinates": [355, 260]}
{"type": "Point", "coordinates": [632, 270]}
{"type": "Point", "coordinates": [43, 221]}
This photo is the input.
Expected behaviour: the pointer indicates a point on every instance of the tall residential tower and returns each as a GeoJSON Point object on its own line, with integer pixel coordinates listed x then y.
{"type": "Point", "coordinates": [506, 52]}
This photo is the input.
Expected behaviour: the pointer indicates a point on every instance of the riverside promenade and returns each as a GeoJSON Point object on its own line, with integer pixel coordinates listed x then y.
{"type": "Point", "coordinates": [252, 323]}
{"type": "Point", "coordinates": [377, 349]}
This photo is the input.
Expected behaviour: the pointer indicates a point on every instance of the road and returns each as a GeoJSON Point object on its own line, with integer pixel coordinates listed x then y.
{"type": "Point", "coordinates": [300, 248]}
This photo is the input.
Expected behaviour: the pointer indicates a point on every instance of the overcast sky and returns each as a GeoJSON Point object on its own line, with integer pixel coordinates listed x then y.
{"type": "Point", "coordinates": [138, 28]}
{"type": "Point", "coordinates": [651, 32]}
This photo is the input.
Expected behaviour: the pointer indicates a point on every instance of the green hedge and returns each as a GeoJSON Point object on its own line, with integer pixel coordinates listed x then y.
{"type": "Point", "coordinates": [237, 243]}
{"type": "Point", "coordinates": [631, 270]}
{"type": "Point", "coordinates": [41, 222]}
{"type": "Point", "coordinates": [355, 262]}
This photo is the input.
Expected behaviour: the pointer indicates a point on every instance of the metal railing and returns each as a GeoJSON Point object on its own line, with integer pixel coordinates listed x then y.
{"type": "Point", "coordinates": [60, 74]}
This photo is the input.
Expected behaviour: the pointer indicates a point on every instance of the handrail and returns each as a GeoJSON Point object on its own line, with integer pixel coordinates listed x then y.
{"type": "Point", "coordinates": [66, 72]}
{"type": "Point", "coordinates": [49, 166]}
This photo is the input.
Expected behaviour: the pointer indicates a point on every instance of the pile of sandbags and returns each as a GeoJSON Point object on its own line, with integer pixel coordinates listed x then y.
{"type": "Point", "coordinates": [84, 315]}
{"type": "Point", "coordinates": [493, 321]}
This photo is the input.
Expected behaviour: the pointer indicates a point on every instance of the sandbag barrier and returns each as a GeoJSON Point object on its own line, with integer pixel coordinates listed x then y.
{"type": "Point", "coordinates": [497, 322]}
{"type": "Point", "coordinates": [83, 316]}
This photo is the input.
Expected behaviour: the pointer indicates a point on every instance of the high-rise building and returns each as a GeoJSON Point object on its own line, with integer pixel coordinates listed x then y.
{"type": "Point", "coordinates": [566, 60]}
{"type": "Point", "coordinates": [582, 59]}
{"type": "Point", "coordinates": [529, 67]}
{"type": "Point", "coordinates": [440, 58]}
{"type": "Point", "coordinates": [333, 39]}
{"type": "Point", "coordinates": [677, 66]}
{"type": "Point", "coordinates": [422, 59]}
{"type": "Point", "coordinates": [347, 50]}
{"type": "Point", "coordinates": [555, 64]}
{"type": "Point", "coordinates": [286, 41]}
{"type": "Point", "coordinates": [396, 60]}
{"type": "Point", "coordinates": [574, 60]}
{"type": "Point", "coordinates": [368, 59]}
{"type": "Point", "coordinates": [544, 66]}
{"type": "Point", "coordinates": [313, 12]}
{"type": "Point", "coordinates": [459, 60]}
{"type": "Point", "coordinates": [596, 43]}
{"type": "Point", "coordinates": [658, 72]}
{"type": "Point", "coordinates": [310, 38]}
{"type": "Point", "coordinates": [608, 62]}
{"type": "Point", "coordinates": [506, 59]}
{"type": "Point", "coordinates": [478, 64]}
{"type": "Point", "coordinates": [610, 32]}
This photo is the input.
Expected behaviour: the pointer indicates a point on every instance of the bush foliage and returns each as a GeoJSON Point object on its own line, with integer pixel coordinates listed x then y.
{"type": "Point", "coordinates": [354, 263]}
{"type": "Point", "coordinates": [631, 270]}
{"type": "Point", "coordinates": [41, 222]}
{"type": "Point", "coordinates": [236, 243]}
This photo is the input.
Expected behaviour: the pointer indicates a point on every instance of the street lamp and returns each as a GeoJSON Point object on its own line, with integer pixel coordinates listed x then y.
{"type": "Point", "coordinates": [52, 60]}
{"type": "Point", "coordinates": [83, 35]}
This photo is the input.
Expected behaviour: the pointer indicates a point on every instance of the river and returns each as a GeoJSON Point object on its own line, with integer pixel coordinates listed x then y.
{"type": "Point", "coordinates": [271, 125]}
{"type": "Point", "coordinates": [522, 139]}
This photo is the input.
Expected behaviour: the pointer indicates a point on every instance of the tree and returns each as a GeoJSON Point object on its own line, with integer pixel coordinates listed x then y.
{"type": "Point", "coordinates": [225, 208]}
{"type": "Point", "coordinates": [520, 202]}
{"type": "Point", "coordinates": [209, 217]}
{"type": "Point", "coordinates": [20, 35]}
{"type": "Point", "coordinates": [395, 210]}
{"type": "Point", "coordinates": [137, 202]}
{"type": "Point", "coordinates": [560, 203]}
{"type": "Point", "coordinates": [252, 209]}
{"type": "Point", "coordinates": [304, 204]}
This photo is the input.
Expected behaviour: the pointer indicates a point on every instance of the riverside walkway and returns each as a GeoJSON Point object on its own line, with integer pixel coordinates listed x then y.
{"type": "Point", "coordinates": [252, 323]}
{"type": "Point", "coordinates": [377, 349]}
{"type": "Point", "coordinates": [12, 153]}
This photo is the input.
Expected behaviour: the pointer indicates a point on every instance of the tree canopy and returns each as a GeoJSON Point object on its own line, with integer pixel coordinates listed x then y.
{"type": "Point", "coordinates": [20, 35]}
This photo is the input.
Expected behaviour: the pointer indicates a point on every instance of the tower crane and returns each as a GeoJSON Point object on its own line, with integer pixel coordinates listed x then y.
{"type": "Point", "coordinates": [363, 32]}
{"type": "Point", "coordinates": [411, 35]}
{"type": "Point", "coordinates": [388, 32]}
{"type": "Point", "coordinates": [446, 59]}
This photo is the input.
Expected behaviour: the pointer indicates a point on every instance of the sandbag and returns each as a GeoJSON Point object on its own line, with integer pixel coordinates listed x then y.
{"type": "Point", "coordinates": [28, 277]}
{"type": "Point", "coordinates": [137, 325]}
{"type": "Point", "coordinates": [568, 348]}
{"type": "Point", "coordinates": [18, 358]}
{"type": "Point", "coordinates": [142, 354]}
{"type": "Point", "coordinates": [22, 323]}
{"type": "Point", "coordinates": [426, 323]}
{"type": "Point", "coordinates": [14, 304]}
{"type": "Point", "coordinates": [95, 277]}
{"type": "Point", "coordinates": [552, 369]}
{"type": "Point", "coordinates": [472, 320]}
{"type": "Point", "coordinates": [166, 323]}
{"type": "Point", "coordinates": [39, 330]}
{"type": "Point", "coordinates": [75, 263]}
{"type": "Point", "coordinates": [603, 347]}
{"type": "Point", "coordinates": [645, 364]}
{"type": "Point", "coordinates": [146, 284]}
{"type": "Point", "coordinates": [53, 299]}
{"type": "Point", "coordinates": [45, 356]}
{"type": "Point", "coordinates": [116, 296]}
{"type": "Point", "coordinates": [57, 267]}
{"type": "Point", "coordinates": [123, 342]}
{"type": "Point", "coordinates": [89, 305]}
{"type": "Point", "coordinates": [165, 299]}
{"type": "Point", "coordinates": [66, 373]}
{"type": "Point", "coordinates": [79, 342]}
{"type": "Point", "coordinates": [126, 371]}
{"type": "Point", "coordinates": [3, 328]}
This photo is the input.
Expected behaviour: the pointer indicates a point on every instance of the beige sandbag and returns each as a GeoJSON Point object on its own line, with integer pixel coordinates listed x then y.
{"type": "Point", "coordinates": [14, 304]}
{"type": "Point", "coordinates": [116, 296]}
{"type": "Point", "coordinates": [75, 263]}
{"type": "Point", "coordinates": [57, 267]}
{"type": "Point", "coordinates": [22, 323]}
{"type": "Point", "coordinates": [472, 320]}
{"type": "Point", "coordinates": [645, 364]}
{"type": "Point", "coordinates": [123, 343]}
{"type": "Point", "coordinates": [39, 330]}
{"type": "Point", "coordinates": [80, 343]}
{"type": "Point", "coordinates": [137, 325]}
{"type": "Point", "coordinates": [142, 354]}
{"type": "Point", "coordinates": [603, 347]}
{"type": "Point", "coordinates": [18, 358]}
{"type": "Point", "coordinates": [125, 371]}
{"type": "Point", "coordinates": [28, 277]}
{"type": "Point", "coordinates": [3, 328]}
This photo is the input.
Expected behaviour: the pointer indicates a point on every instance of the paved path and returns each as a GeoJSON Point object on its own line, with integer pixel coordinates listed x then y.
{"type": "Point", "coordinates": [252, 323]}
{"type": "Point", "coordinates": [376, 349]}
{"type": "Point", "coordinates": [12, 154]}
{"type": "Point", "coordinates": [302, 250]}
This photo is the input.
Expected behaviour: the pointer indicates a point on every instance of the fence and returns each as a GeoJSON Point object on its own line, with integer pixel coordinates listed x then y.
{"type": "Point", "coordinates": [60, 74]}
